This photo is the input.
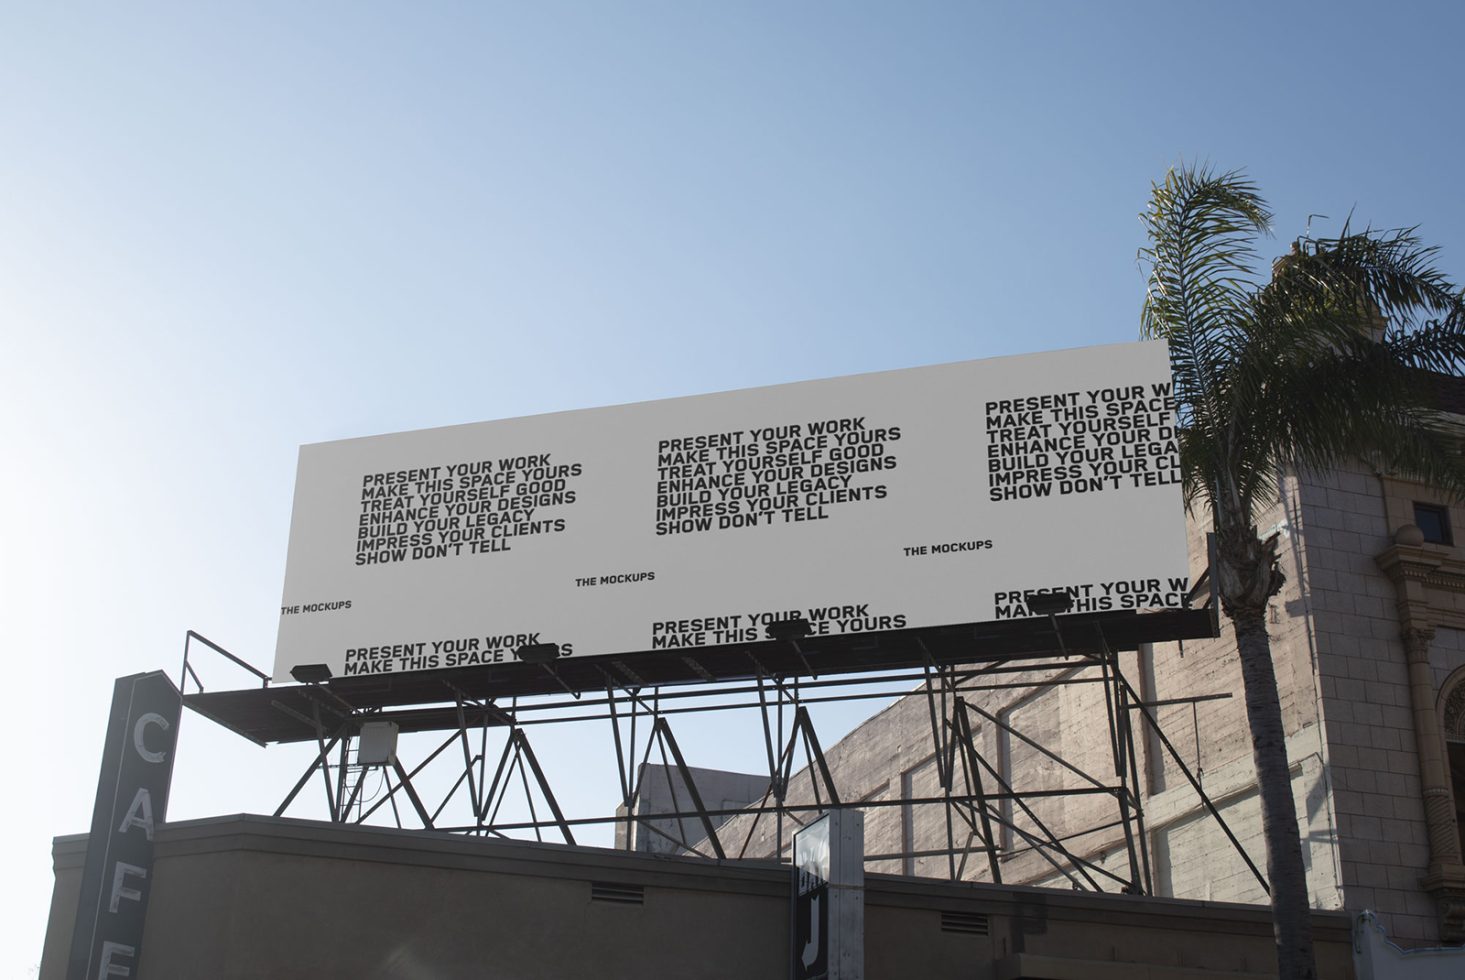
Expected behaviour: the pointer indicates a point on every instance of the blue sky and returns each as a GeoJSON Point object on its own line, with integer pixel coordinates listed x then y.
{"type": "Point", "coordinates": [227, 231]}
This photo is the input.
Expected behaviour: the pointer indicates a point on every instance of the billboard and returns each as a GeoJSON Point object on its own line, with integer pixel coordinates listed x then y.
{"type": "Point", "coordinates": [920, 497]}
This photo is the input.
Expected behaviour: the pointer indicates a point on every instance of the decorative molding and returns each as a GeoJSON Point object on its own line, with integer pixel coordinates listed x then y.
{"type": "Point", "coordinates": [1430, 582]}
{"type": "Point", "coordinates": [1452, 711]}
{"type": "Point", "coordinates": [1417, 640]}
{"type": "Point", "coordinates": [1452, 918]}
{"type": "Point", "coordinates": [1446, 885]}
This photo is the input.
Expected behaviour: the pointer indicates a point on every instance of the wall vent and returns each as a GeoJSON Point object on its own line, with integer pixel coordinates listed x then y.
{"type": "Point", "coordinates": [969, 923]}
{"type": "Point", "coordinates": [622, 894]}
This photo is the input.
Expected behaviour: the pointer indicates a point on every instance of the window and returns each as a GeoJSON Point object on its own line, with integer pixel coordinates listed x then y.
{"type": "Point", "coordinates": [1434, 521]}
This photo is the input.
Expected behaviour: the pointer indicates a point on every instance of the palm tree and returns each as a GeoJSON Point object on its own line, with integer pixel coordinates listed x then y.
{"type": "Point", "coordinates": [1325, 361]}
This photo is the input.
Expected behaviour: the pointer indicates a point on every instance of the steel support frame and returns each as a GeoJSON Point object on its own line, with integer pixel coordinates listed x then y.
{"type": "Point", "coordinates": [981, 803]}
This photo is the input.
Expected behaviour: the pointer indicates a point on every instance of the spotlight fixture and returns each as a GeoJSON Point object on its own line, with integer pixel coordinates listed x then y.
{"type": "Point", "coordinates": [793, 630]}
{"type": "Point", "coordinates": [538, 653]}
{"type": "Point", "coordinates": [788, 629]}
{"type": "Point", "coordinates": [311, 673]}
{"type": "Point", "coordinates": [1047, 603]}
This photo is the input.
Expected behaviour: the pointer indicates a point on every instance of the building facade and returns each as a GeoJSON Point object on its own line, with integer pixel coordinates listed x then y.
{"type": "Point", "coordinates": [1368, 639]}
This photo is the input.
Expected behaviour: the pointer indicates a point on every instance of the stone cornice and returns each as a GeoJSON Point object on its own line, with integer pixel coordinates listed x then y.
{"type": "Point", "coordinates": [1430, 582]}
{"type": "Point", "coordinates": [1435, 565]}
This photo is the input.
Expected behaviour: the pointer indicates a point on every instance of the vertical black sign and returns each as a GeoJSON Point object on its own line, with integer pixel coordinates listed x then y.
{"type": "Point", "coordinates": [132, 800]}
{"type": "Point", "coordinates": [811, 901]}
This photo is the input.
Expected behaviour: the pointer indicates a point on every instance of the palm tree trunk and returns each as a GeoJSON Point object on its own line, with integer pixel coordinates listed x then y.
{"type": "Point", "coordinates": [1290, 907]}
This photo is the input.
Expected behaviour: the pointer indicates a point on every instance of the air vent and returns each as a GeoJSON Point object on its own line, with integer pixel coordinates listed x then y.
{"type": "Point", "coordinates": [969, 923]}
{"type": "Point", "coordinates": [612, 891]}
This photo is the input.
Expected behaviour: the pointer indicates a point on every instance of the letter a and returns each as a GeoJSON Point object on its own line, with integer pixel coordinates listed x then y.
{"type": "Point", "coordinates": [140, 814]}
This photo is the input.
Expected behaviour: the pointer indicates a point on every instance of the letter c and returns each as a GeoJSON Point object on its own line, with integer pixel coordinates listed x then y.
{"type": "Point", "coordinates": [151, 718]}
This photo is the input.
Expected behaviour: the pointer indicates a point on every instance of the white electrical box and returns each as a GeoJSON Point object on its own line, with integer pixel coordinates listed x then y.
{"type": "Point", "coordinates": [378, 743]}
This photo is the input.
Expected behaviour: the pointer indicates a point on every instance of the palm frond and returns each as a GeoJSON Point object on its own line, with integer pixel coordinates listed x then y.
{"type": "Point", "coordinates": [1393, 269]}
{"type": "Point", "coordinates": [1358, 401]}
{"type": "Point", "coordinates": [1435, 345]}
{"type": "Point", "coordinates": [1202, 227]}
{"type": "Point", "coordinates": [1321, 363]}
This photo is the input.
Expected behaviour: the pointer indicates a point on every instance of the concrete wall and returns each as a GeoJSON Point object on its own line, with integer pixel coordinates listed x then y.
{"type": "Point", "coordinates": [248, 897]}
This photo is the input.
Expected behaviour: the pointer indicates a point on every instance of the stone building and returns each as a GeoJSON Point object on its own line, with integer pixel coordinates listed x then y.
{"type": "Point", "coordinates": [664, 790]}
{"type": "Point", "coordinates": [1368, 637]}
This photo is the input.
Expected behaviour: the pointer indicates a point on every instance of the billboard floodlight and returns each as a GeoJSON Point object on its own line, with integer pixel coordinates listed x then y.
{"type": "Point", "coordinates": [1047, 603]}
{"type": "Point", "coordinates": [793, 630]}
{"type": "Point", "coordinates": [788, 629]}
{"type": "Point", "coordinates": [538, 653]}
{"type": "Point", "coordinates": [311, 673]}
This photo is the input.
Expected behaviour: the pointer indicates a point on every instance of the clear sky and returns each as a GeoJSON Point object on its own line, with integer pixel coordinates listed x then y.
{"type": "Point", "coordinates": [226, 230]}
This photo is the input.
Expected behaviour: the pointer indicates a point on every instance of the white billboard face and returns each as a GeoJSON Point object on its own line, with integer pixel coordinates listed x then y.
{"type": "Point", "coordinates": [923, 497]}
